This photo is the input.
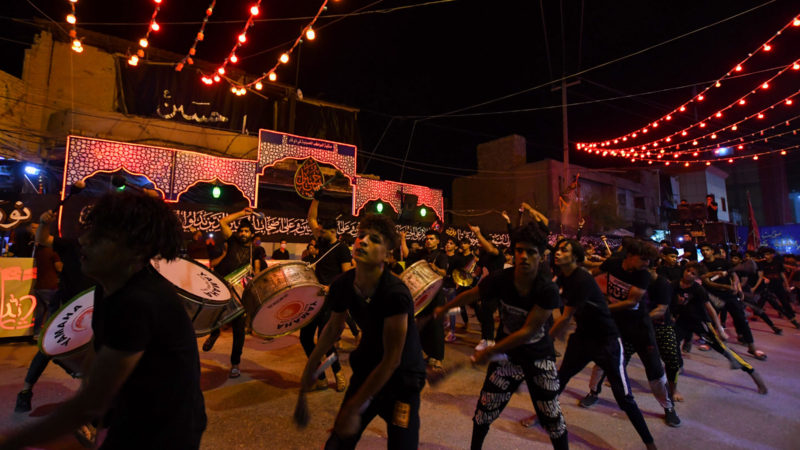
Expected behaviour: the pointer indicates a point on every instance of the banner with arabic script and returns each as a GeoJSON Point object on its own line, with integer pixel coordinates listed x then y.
{"type": "Point", "coordinates": [274, 147]}
{"type": "Point", "coordinates": [17, 302]}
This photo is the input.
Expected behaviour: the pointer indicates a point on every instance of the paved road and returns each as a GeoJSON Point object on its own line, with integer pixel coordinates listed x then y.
{"type": "Point", "coordinates": [722, 408]}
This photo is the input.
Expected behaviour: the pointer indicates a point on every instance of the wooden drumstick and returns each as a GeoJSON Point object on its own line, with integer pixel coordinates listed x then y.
{"type": "Point", "coordinates": [301, 416]}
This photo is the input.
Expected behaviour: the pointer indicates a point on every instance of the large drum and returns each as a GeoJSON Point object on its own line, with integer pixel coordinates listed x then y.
{"type": "Point", "coordinates": [423, 283]}
{"type": "Point", "coordinates": [206, 297]}
{"type": "Point", "coordinates": [67, 335]}
{"type": "Point", "coordinates": [282, 299]}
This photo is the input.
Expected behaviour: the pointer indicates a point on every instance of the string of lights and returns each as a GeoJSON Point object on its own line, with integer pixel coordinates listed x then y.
{"type": "Point", "coordinates": [703, 123]}
{"type": "Point", "coordinates": [255, 9]}
{"type": "Point", "coordinates": [188, 59]}
{"type": "Point", "coordinates": [643, 150]}
{"type": "Point", "coordinates": [72, 20]}
{"type": "Point", "coordinates": [754, 156]}
{"type": "Point", "coordinates": [271, 74]}
{"type": "Point", "coordinates": [700, 97]}
{"type": "Point", "coordinates": [143, 42]}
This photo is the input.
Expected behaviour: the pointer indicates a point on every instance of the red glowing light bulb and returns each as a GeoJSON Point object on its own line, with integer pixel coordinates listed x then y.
{"type": "Point", "coordinates": [694, 142]}
{"type": "Point", "coordinates": [708, 163]}
{"type": "Point", "coordinates": [242, 38]}
{"type": "Point", "coordinates": [718, 114]}
{"type": "Point", "coordinates": [625, 138]}
{"type": "Point", "coordinates": [71, 19]}
{"type": "Point", "coordinates": [783, 152]}
{"type": "Point", "coordinates": [714, 136]}
{"type": "Point", "coordinates": [742, 101]}
{"type": "Point", "coordinates": [760, 115]}
{"type": "Point", "coordinates": [155, 26]}
{"type": "Point", "coordinates": [684, 133]}
{"type": "Point", "coordinates": [702, 124]}
{"type": "Point", "coordinates": [669, 117]}
{"type": "Point", "coordinates": [695, 154]}
{"type": "Point", "coordinates": [741, 147]}
{"type": "Point", "coordinates": [669, 139]}
{"type": "Point", "coordinates": [216, 78]}
{"type": "Point", "coordinates": [730, 160]}
{"type": "Point", "coordinates": [655, 124]}
{"type": "Point", "coordinates": [717, 84]}
{"type": "Point", "coordinates": [666, 163]}
{"type": "Point", "coordinates": [221, 71]}
{"type": "Point", "coordinates": [686, 164]}
{"type": "Point", "coordinates": [738, 68]}
{"type": "Point", "coordinates": [789, 101]}
{"type": "Point", "coordinates": [796, 66]}
{"type": "Point", "coordinates": [284, 58]}
{"type": "Point", "coordinates": [765, 86]}
{"type": "Point", "coordinates": [755, 157]}
{"type": "Point", "coordinates": [701, 97]}
{"type": "Point", "coordinates": [272, 76]}
{"type": "Point", "coordinates": [254, 10]}
{"type": "Point", "coordinates": [682, 108]}
{"type": "Point", "coordinates": [234, 58]}
{"type": "Point", "coordinates": [796, 22]}
{"type": "Point", "coordinates": [767, 47]}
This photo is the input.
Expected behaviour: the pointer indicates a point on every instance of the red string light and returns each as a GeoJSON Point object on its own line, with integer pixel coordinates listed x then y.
{"type": "Point", "coordinates": [254, 10]}
{"type": "Point", "coordinates": [188, 59]}
{"type": "Point", "coordinates": [72, 20]}
{"type": "Point", "coordinates": [765, 47]}
{"type": "Point", "coordinates": [143, 42]}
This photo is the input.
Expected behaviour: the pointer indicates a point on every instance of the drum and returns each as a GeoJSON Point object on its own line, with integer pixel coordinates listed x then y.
{"type": "Point", "coordinates": [423, 283]}
{"type": "Point", "coordinates": [282, 299]}
{"type": "Point", "coordinates": [67, 335]}
{"type": "Point", "coordinates": [206, 297]}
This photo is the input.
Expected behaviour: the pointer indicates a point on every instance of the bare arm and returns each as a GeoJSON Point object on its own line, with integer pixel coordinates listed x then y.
{"type": "Point", "coordinates": [465, 298]}
{"type": "Point", "coordinates": [403, 245]}
{"type": "Point", "coordinates": [333, 329]}
{"type": "Point", "coordinates": [316, 229]}
{"type": "Point", "coordinates": [760, 280]}
{"type": "Point", "coordinates": [658, 312]}
{"type": "Point", "coordinates": [106, 377]}
{"type": "Point", "coordinates": [560, 325]}
{"type": "Point", "coordinates": [536, 318]}
{"type": "Point", "coordinates": [43, 236]}
{"type": "Point", "coordinates": [634, 296]}
{"type": "Point", "coordinates": [225, 222]}
{"type": "Point", "coordinates": [485, 244]}
{"type": "Point", "coordinates": [539, 217]}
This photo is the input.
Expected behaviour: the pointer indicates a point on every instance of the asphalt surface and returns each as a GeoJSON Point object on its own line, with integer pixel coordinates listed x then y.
{"type": "Point", "coordinates": [722, 409]}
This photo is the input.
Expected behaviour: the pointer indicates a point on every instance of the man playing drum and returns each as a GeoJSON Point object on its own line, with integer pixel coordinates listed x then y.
{"type": "Point", "coordinates": [238, 253]}
{"type": "Point", "coordinates": [143, 377]}
{"type": "Point", "coordinates": [388, 369]}
{"type": "Point", "coordinates": [334, 259]}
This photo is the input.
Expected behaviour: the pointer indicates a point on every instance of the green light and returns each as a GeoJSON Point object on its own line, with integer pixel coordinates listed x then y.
{"type": "Point", "coordinates": [423, 212]}
{"type": "Point", "coordinates": [216, 192]}
{"type": "Point", "coordinates": [379, 207]}
{"type": "Point", "coordinates": [121, 188]}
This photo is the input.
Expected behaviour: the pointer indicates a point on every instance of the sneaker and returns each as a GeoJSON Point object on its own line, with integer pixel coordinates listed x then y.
{"type": "Point", "coordinates": [777, 330]}
{"type": "Point", "coordinates": [235, 373]}
{"type": "Point", "coordinates": [588, 401]}
{"type": "Point", "coordinates": [451, 337]}
{"type": "Point", "coordinates": [484, 344]}
{"type": "Point", "coordinates": [703, 347]}
{"type": "Point", "coordinates": [209, 343]}
{"type": "Point", "coordinates": [23, 401]}
{"type": "Point", "coordinates": [320, 385]}
{"type": "Point", "coordinates": [671, 418]}
{"type": "Point", "coordinates": [341, 382]}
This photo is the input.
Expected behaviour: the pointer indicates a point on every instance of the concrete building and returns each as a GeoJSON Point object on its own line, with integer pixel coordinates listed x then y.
{"type": "Point", "coordinates": [609, 199]}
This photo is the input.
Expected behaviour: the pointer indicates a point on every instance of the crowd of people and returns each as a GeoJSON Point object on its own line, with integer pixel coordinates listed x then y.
{"type": "Point", "coordinates": [640, 297]}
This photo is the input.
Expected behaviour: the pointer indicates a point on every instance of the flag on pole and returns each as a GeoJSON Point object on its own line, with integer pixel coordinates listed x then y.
{"type": "Point", "coordinates": [753, 236]}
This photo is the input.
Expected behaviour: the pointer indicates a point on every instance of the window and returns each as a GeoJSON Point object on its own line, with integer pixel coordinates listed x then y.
{"type": "Point", "coordinates": [638, 202]}
{"type": "Point", "coordinates": [724, 205]}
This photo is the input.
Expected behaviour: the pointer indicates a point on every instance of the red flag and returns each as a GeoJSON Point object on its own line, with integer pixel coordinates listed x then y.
{"type": "Point", "coordinates": [753, 236]}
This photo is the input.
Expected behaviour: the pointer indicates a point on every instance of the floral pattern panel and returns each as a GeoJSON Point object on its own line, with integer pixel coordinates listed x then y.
{"type": "Point", "coordinates": [367, 190]}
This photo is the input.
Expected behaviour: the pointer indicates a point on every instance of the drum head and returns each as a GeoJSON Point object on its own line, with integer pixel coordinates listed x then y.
{"type": "Point", "coordinates": [194, 280]}
{"type": "Point", "coordinates": [71, 327]}
{"type": "Point", "coordinates": [426, 296]}
{"type": "Point", "coordinates": [288, 310]}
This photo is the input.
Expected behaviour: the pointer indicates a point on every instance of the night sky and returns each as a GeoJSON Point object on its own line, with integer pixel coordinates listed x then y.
{"type": "Point", "coordinates": [402, 66]}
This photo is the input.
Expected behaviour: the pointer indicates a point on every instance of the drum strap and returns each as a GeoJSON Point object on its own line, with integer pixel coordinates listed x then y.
{"type": "Point", "coordinates": [314, 264]}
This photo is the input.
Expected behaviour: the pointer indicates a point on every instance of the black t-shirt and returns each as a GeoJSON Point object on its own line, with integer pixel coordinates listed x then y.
{"type": "Point", "coordinates": [390, 298]}
{"type": "Point", "coordinates": [688, 305]}
{"type": "Point", "coordinates": [719, 264]}
{"type": "Point", "coordinates": [772, 270]}
{"type": "Point", "coordinates": [620, 282]}
{"type": "Point", "coordinates": [673, 273]}
{"type": "Point", "coordinates": [280, 253]}
{"type": "Point", "coordinates": [592, 317]}
{"type": "Point", "coordinates": [492, 263]}
{"type": "Point", "coordinates": [659, 293]}
{"type": "Point", "coordinates": [437, 257]}
{"type": "Point", "coordinates": [514, 310]}
{"type": "Point", "coordinates": [160, 405]}
{"type": "Point", "coordinates": [713, 215]}
{"type": "Point", "coordinates": [689, 250]}
{"type": "Point", "coordinates": [71, 280]}
{"type": "Point", "coordinates": [330, 265]}
{"type": "Point", "coordinates": [237, 255]}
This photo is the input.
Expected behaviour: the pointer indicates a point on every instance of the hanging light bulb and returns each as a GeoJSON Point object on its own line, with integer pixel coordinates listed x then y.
{"type": "Point", "coordinates": [259, 86]}
{"type": "Point", "coordinates": [767, 47]}
{"type": "Point", "coordinates": [783, 152]}
{"type": "Point", "coordinates": [155, 26]}
{"type": "Point", "coordinates": [701, 97]}
{"type": "Point", "coordinates": [71, 19]}
{"type": "Point", "coordinates": [789, 101]}
{"type": "Point", "coordinates": [254, 10]}
{"type": "Point", "coordinates": [134, 60]}
{"type": "Point", "coordinates": [682, 108]}
{"type": "Point", "coordinates": [284, 58]}
{"type": "Point", "coordinates": [272, 76]}
{"type": "Point", "coordinates": [143, 43]}
{"type": "Point", "coordinates": [242, 38]}
{"type": "Point", "coordinates": [734, 128]}
{"type": "Point", "coordinates": [755, 157]}
{"type": "Point", "coordinates": [234, 58]}
{"type": "Point", "coordinates": [738, 68]}
{"type": "Point", "coordinates": [221, 71]}
{"type": "Point", "coordinates": [217, 78]}
{"type": "Point", "coordinates": [765, 85]}
{"type": "Point", "coordinates": [310, 34]}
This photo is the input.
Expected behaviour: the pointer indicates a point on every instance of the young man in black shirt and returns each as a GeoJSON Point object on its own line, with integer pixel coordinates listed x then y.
{"type": "Point", "coordinates": [143, 376]}
{"type": "Point", "coordinates": [491, 260]}
{"type": "Point", "coordinates": [281, 253]}
{"type": "Point", "coordinates": [722, 282]}
{"type": "Point", "coordinates": [595, 338]}
{"type": "Point", "coordinates": [527, 300]}
{"type": "Point", "coordinates": [238, 253]}
{"type": "Point", "coordinates": [388, 370]}
{"type": "Point", "coordinates": [627, 281]}
{"type": "Point", "coordinates": [334, 258]}
{"type": "Point", "coordinates": [432, 333]}
{"type": "Point", "coordinates": [694, 314]}
{"type": "Point", "coordinates": [747, 271]}
{"type": "Point", "coordinates": [668, 266]}
{"type": "Point", "coordinates": [771, 274]}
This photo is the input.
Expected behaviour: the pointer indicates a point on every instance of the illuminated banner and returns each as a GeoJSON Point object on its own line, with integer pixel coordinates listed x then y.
{"type": "Point", "coordinates": [16, 301]}
{"type": "Point", "coordinates": [367, 190]}
{"type": "Point", "coordinates": [274, 147]}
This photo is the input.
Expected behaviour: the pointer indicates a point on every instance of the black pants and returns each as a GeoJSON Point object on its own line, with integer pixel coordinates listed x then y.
{"type": "Point", "coordinates": [397, 404]}
{"type": "Point", "coordinates": [237, 327]}
{"type": "Point", "coordinates": [307, 335]}
{"type": "Point", "coordinates": [607, 353]}
{"type": "Point", "coordinates": [502, 380]}
{"type": "Point", "coordinates": [735, 308]}
{"type": "Point", "coordinates": [640, 334]}
{"type": "Point", "coordinates": [706, 331]}
{"type": "Point", "coordinates": [485, 315]}
{"type": "Point", "coordinates": [774, 290]}
{"type": "Point", "coordinates": [431, 334]}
